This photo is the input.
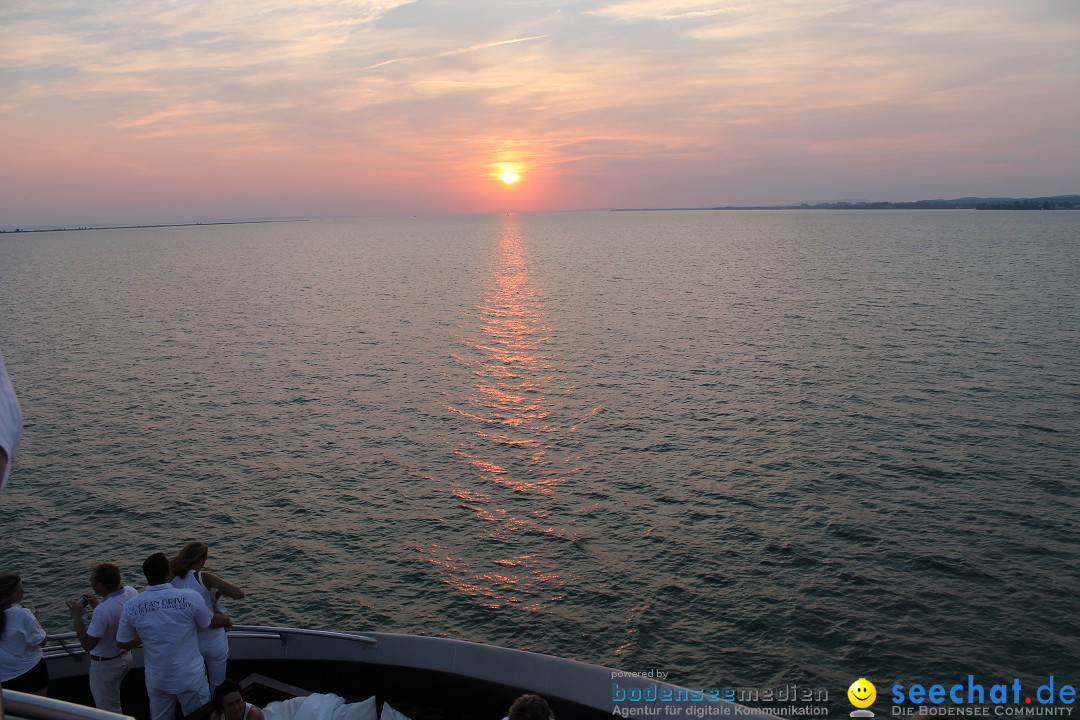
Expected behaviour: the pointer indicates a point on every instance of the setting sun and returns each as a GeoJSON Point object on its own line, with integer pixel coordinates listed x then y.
{"type": "Point", "coordinates": [509, 173]}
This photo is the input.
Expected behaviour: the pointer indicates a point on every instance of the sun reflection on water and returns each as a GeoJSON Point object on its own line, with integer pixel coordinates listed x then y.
{"type": "Point", "coordinates": [516, 438]}
{"type": "Point", "coordinates": [510, 406]}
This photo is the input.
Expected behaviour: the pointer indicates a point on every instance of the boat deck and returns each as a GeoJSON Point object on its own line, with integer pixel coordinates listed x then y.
{"type": "Point", "coordinates": [425, 678]}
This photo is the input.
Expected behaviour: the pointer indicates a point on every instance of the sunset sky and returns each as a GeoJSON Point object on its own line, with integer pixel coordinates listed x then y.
{"type": "Point", "coordinates": [162, 111]}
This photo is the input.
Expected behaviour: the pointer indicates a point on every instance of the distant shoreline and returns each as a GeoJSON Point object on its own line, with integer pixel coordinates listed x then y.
{"type": "Point", "coordinates": [1055, 202]}
{"type": "Point", "coordinates": [146, 227]}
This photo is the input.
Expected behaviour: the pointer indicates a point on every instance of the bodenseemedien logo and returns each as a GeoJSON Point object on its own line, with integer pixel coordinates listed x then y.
{"type": "Point", "coordinates": [862, 694]}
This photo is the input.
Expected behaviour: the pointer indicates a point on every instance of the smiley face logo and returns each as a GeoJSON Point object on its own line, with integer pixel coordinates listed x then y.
{"type": "Point", "coordinates": [862, 693]}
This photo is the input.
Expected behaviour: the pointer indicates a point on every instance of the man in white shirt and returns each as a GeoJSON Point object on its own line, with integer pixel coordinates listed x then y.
{"type": "Point", "coordinates": [108, 663]}
{"type": "Point", "coordinates": [10, 424]}
{"type": "Point", "coordinates": [166, 619]}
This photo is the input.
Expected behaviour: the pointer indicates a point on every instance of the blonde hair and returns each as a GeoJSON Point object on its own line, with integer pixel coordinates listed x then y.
{"type": "Point", "coordinates": [187, 558]}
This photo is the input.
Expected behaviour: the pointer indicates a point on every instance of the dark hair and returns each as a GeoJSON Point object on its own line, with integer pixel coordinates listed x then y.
{"type": "Point", "coordinates": [156, 568]}
{"type": "Point", "coordinates": [217, 700]}
{"type": "Point", "coordinates": [108, 575]}
{"type": "Point", "coordinates": [188, 557]}
{"type": "Point", "coordinates": [529, 707]}
{"type": "Point", "coordinates": [8, 582]}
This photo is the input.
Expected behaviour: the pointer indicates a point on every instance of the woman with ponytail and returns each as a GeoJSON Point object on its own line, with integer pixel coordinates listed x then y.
{"type": "Point", "coordinates": [22, 666]}
{"type": "Point", "coordinates": [187, 571]}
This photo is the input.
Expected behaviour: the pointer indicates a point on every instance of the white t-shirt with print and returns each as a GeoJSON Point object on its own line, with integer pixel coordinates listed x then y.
{"type": "Point", "coordinates": [167, 619]}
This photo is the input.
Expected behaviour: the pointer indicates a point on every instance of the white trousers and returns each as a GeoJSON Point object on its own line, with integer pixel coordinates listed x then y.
{"type": "Point", "coordinates": [163, 704]}
{"type": "Point", "coordinates": [105, 679]}
{"type": "Point", "coordinates": [214, 647]}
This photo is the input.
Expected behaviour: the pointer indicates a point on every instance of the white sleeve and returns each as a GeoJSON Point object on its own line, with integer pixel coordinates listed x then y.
{"type": "Point", "coordinates": [35, 634]}
{"type": "Point", "coordinates": [99, 625]}
{"type": "Point", "coordinates": [203, 615]}
{"type": "Point", "coordinates": [125, 632]}
{"type": "Point", "coordinates": [10, 420]}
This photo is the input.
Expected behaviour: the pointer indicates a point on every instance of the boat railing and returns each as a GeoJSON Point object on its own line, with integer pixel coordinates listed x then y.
{"type": "Point", "coordinates": [68, 643]}
{"type": "Point", "coordinates": [37, 707]}
{"type": "Point", "coordinates": [262, 631]}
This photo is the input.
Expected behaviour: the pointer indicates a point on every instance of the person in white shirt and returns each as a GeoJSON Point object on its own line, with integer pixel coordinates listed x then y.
{"type": "Point", "coordinates": [229, 704]}
{"type": "Point", "coordinates": [22, 665]}
{"type": "Point", "coordinates": [108, 663]}
{"type": "Point", "coordinates": [10, 424]}
{"type": "Point", "coordinates": [166, 620]}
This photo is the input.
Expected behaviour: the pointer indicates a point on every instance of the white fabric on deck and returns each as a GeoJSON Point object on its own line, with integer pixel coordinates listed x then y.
{"type": "Point", "coordinates": [320, 707]}
{"type": "Point", "coordinates": [389, 713]}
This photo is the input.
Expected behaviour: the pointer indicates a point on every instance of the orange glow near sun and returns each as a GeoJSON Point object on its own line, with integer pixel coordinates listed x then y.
{"type": "Point", "coordinates": [508, 173]}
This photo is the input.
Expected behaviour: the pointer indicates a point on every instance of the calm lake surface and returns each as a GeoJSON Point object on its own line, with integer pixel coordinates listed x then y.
{"type": "Point", "coordinates": [745, 448]}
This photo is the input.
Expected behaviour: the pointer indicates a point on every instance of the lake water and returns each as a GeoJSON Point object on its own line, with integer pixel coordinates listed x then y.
{"type": "Point", "coordinates": [745, 448]}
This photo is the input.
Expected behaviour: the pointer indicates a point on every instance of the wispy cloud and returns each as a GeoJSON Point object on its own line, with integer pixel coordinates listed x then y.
{"type": "Point", "coordinates": [645, 10]}
{"type": "Point", "coordinates": [458, 51]}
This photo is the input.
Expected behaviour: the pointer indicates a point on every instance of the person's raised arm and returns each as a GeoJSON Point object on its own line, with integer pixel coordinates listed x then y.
{"type": "Point", "coordinates": [88, 641]}
{"type": "Point", "coordinates": [227, 588]}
